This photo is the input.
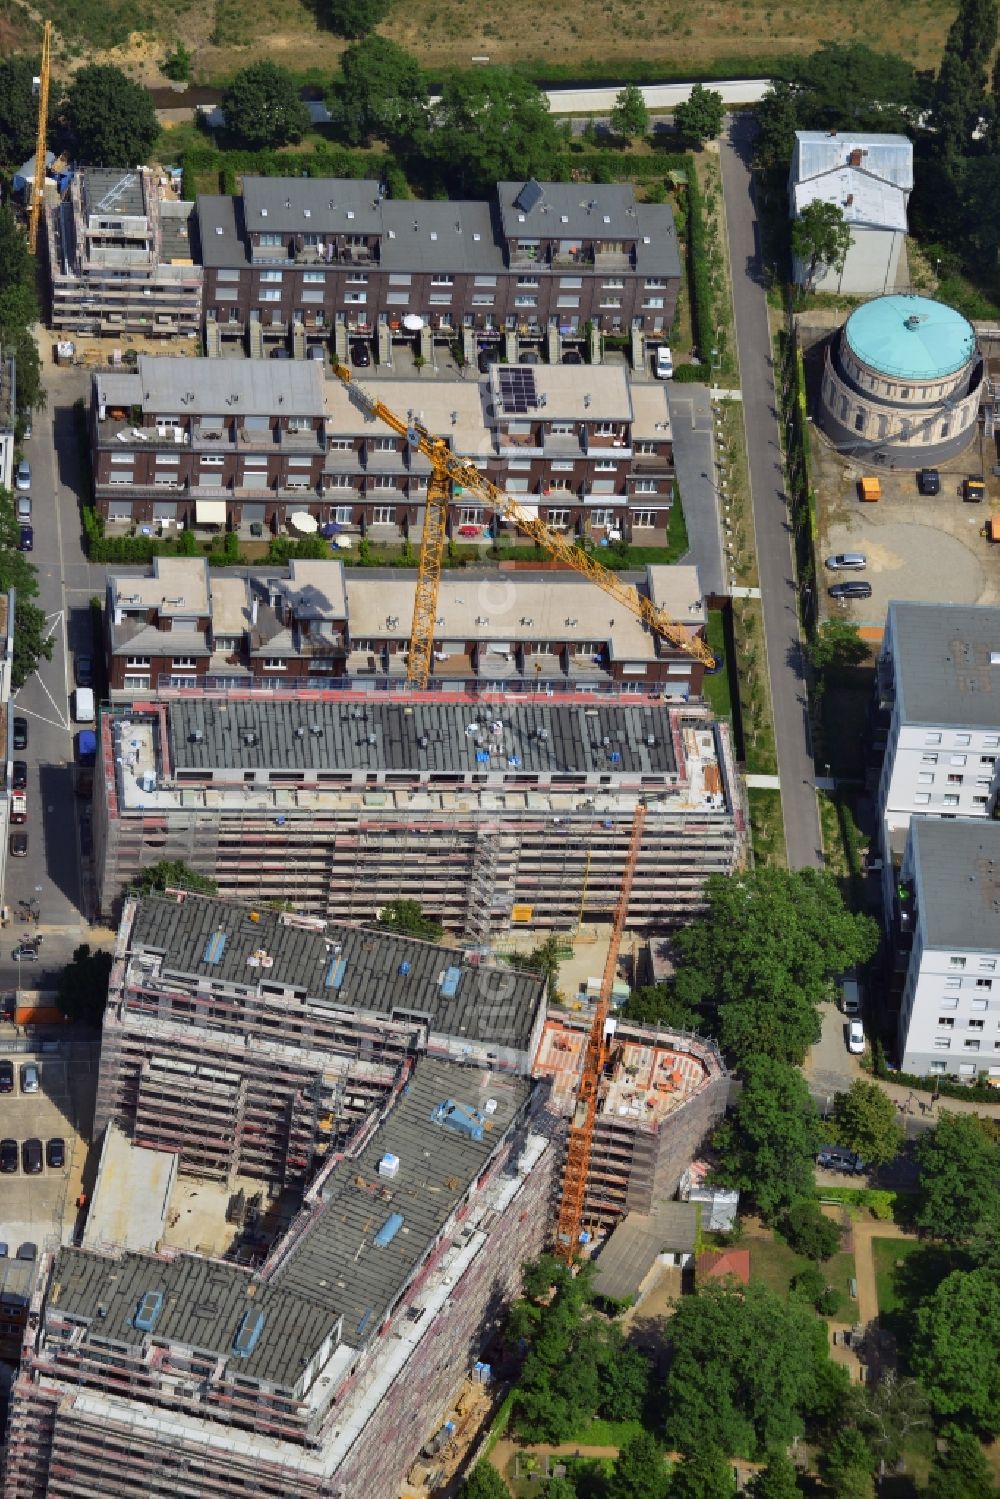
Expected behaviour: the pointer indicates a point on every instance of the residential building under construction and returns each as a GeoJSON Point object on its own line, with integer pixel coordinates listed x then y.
{"type": "Point", "coordinates": [322, 1373]}
{"type": "Point", "coordinates": [492, 813]}
{"type": "Point", "coordinates": [255, 1043]}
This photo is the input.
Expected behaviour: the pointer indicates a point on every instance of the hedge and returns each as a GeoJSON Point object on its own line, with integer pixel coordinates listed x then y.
{"type": "Point", "coordinates": [693, 374]}
{"type": "Point", "coordinates": [701, 292]}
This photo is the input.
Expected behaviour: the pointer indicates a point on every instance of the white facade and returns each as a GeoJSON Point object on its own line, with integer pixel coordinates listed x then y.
{"type": "Point", "coordinates": [949, 1018]}
{"type": "Point", "coordinates": [870, 178]}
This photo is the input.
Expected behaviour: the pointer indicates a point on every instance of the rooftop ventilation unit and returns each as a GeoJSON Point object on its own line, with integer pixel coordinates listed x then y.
{"type": "Point", "coordinates": [249, 737]}
{"type": "Point", "coordinates": [214, 948]}
{"type": "Point", "coordinates": [148, 1311]}
{"type": "Point", "coordinates": [196, 737]}
{"type": "Point", "coordinates": [248, 1333]}
{"type": "Point", "coordinates": [390, 1228]}
{"type": "Point", "coordinates": [460, 1117]}
{"type": "Point", "coordinates": [388, 1166]}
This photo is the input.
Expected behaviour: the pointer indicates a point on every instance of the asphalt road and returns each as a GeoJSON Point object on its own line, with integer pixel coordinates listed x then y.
{"type": "Point", "coordinates": [771, 527]}
{"type": "Point", "coordinates": [51, 874]}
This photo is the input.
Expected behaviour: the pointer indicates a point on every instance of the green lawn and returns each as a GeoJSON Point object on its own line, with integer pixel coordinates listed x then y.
{"type": "Point", "coordinates": [598, 1433]}
{"type": "Point", "coordinates": [767, 827]}
{"type": "Point", "coordinates": [774, 1263]}
{"type": "Point", "coordinates": [716, 688]}
{"type": "Point", "coordinates": [906, 1271]}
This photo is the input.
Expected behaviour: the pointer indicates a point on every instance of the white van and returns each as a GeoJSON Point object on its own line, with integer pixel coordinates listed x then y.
{"type": "Point", "coordinates": [83, 705]}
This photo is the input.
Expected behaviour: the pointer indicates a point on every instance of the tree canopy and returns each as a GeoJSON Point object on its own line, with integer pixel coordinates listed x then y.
{"type": "Point", "coordinates": [263, 108]}
{"type": "Point", "coordinates": [777, 1480]}
{"type": "Point", "coordinates": [837, 642]}
{"type": "Point", "coordinates": [959, 1171]}
{"type": "Point", "coordinates": [484, 1482]}
{"type": "Point", "coordinates": [846, 85]}
{"type": "Point", "coordinates": [32, 636]}
{"type": "Point", "coordinates": [406, 917]}
{"type": "Point", "coordinates": [759, 962]}
{"type": "Point", "coordinates": [959, 1469]}
{"type": "Point", "coordinates": [383, 94]}
{"type": "Point", "coordinates": [809, 1231]}
{"type": "Point", "coordinates": [629, 116]}
{"type": "Point", "coordinates": [82, 986]}
{"type": "Point", "coordinates": [110, 118]}
{"type": "Point", "coordinates": [170, 873]}
{"type": "Point", "coordinates": [639, 1470]}
{"type": "Point", "coordinates": [354, 18]}
{"type": "Point", "coordinates": [767, 1146]}
{"type": "Point", "coordinates": [954, 1348]}
{"type": "Point", "coordinates": [659, 1004]}
{"type": "Point", "coordinates": [747, 1367]}
{"type": "Point", "coordinates": [19, 310]}
{"type": "Point", "coordinates": [18, 110]}
{"type": "Point", "coordinates": [699, 117]}
{"type": "Point", "coordinates": [821, 238]}
{"type": "Point", "coordinates": [703, 1473]}
{"type": "Point", "coordinates": [490, 126]}
{"type": "Point", "coordinates": [864, 1119]}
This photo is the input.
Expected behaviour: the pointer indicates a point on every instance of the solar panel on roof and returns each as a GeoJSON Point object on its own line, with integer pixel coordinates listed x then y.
{"type": "Point", "coordinates": [517, 388]}
{"type": "Point", "coordinates": [530, 195]}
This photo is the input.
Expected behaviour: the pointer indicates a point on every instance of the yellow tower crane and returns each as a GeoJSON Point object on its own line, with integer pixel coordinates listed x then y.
{"type": "Point", "coordinates": [38, 185]}
{"type": "Point", "coordinates": [446, 470]}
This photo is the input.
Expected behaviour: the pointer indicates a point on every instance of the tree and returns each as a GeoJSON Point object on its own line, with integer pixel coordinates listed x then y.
{"type": "Point", "coordinates": [700, 117]}
{"type": "Point", "coordinates": [821, 236]}
{"type": "Point", "coordinates": [383, 94]}
{"type": "Point", "coordinates": [659, 1004]}
{"type": "Point", "coordinates": [758, 964]}
{"type": "Point", "coordinates": [864, 1120]}
{"type": "Point", "coordinates": [171, 874]}
{"type": "Point", "coordinates": [887, 1412]}
{"type": "Point", "coordinates": [808, 1231]}
{"type": "Point", "coordinates": [177, 64]}
{"type": "Point", "coordinates": [82, 987]}
{"type": "Point", "coordinates": [639, 1471]}
{"type": "Point", "coordinates": [354, 18]}
{"type": "Point", "coordinates": [777, 121]}
{"type": "Point", "coordinates": [630, 117]}
{"type": "Point", "coordinates": [110, 119]}
{"type": "Point", "coordinates": [263, 108]}
{"type": "Point", "coordinates": [18, 110]}
{"type": "Point", "coordinates": [484, 1482]}
{"type": "Point", "coordinates": [959, 1167]}
{"type": "Point", "coordinates": [543, 960]}
{"type": "Point", "coordinates": [747, 1368]}
{"type": "Point", "coordinates": [851, 87]}
{"type": "Point", "coordinates": [32, 633]}
{"type": "Point", "coordinates": [959, 1470]}
{"type": "Point", "coordinates": [954, 1348]}
{"type": "Point", "coordinates": [768, 1146]}
{"type": "Point", "coordinates": [960, 91]}
{"type": "Point", "coordinates": [491, 126]}
{"type": "Point", "coordinates": [560, 1488]}
{"type": "Point", "coordinates": [777, 1480]}
{"type": "Point", "coordinates": [705, 1473]}
{"type": "Point", "coordinates": [837, 643]}
{"type": "Point", "coordinates": [406, 917]}
{"type": "Point", "coordinates": [848, 1465]}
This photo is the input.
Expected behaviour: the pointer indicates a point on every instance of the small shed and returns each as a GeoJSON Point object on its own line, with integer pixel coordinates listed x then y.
{"type": "Point", "coordinates": [638, 1241]}
{"type": "Point", "coordinates": [720, 1264]}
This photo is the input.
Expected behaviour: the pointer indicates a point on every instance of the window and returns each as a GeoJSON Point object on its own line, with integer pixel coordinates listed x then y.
{"type": "Point", "coordinates": [468, 516]}
{"type": "Point", "coordinates": [440, 280]}
{"type": "Point", "coordinates": [315, 278]}
{"type": "Point", "coordinates": [653, 283]}
{"type": "Point", "coordinates": [947, 1003]}
{"type": "Point", "coordinates": [988, 965]}
{"type": "Point", "coordinates": [479, 299]}
{"type": "Point", "coordinates": [932, 738]}
{"type": "Point", "coordinates": [571, 283]}
{"type": "Point", "coordinates": [956, 759]}
{"type": "Point", "coordinates": [384, 515]}
{"type": "Point", "coordinates": [568, 302]}
{"type": "Point", "coordinates": [963, 739]}
{"type": "Point", "coordinates": [976, 1025]}
{"type": "Point", "coordinates": [525, 301]}
{"type": "Point", "coordinates": [224, 275]}
{"type": "Point", "coordinates": [991, 741]}
{"type": "Point", "coordinates": [399, 279]}
{"type": "Point", "coordinates": [608, 300]}
{"type": "Point", "coordinates": [645, 486]}
{"type": "Point", "coordinates": [956, 963]}
{"type": "Point", "coordinates": [136, 684]}
{"type": "Point", "coordinates": [921, 798]}
{"type": "Point", "coordinates": [948, 1021]}
{"type": "Point", "coordinates": [607, 466]}
{"type": "Point", "coordinates": [602, 517]}
{"type": "Point", "coordinates": [645, 447]}
{"type": "Point", "coordinates": [980, 801]}
{"type": "Point", "coordinates": [942, 1043]}
{"type": "Point", "coordinates": [340, 445]}
{"type": "Point", "coordinates": [356, 298]}
{"type": "Point", "coordinates": [972, 1045]}
{"type": "Point", "coordinates": [275, 663]}
{"type": "Point", "coordinates": [138, 663]}
{"type": "Point", "coordinates": [342, 514]}
{"type": "Point", "coordinates": [615, 283]}
{"type": "Point", "coordinates": [478, 280]}
{"type": "Point", "coordinates": [387, 445]}
{"type": "Point", "coordinates": [984, 983]}
{"type": "Point", "coordinates": [644, 520]}
{"type": "Point", "coordinates": [523, 281]}
{"type": "Point", "coordinates": [312, 297]}
{"type": "Point", "coordinates": [955, 780]}
{"type": "Point", "coordinates": [925, 778]}
{"type": "Point", "coordinates": [183, 663]}
{"type": "Point", "coordinates": [272, 277]}
{"type": "Point", "coordinates": [561, 468]}
{"type": "Point", "coordinates": [653, 302]}
{"type": "Point", "coordinates": [357, 278]}
{"type": "Point", "coordinates": [557, 517]}
{"type": "Point", "coordinates": [563, 429]}
{"type": "Point", "coordinates": [212, 460]}
{"type": "Point", "coordinates": [950, 801]}
{"type": "Point", "coordinates": [440, 298]}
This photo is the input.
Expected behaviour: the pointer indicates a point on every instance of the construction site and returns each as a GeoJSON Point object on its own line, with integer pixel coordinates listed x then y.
{"type": "Point", "coordinates": [493, 815]}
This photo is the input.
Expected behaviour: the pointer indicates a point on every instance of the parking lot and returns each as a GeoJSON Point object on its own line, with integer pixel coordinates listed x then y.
{"type": "Point", "coordinates": [34, 1207]}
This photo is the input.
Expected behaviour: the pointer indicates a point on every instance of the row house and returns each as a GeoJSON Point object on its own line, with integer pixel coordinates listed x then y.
{"type": "Point", "coordinates": [291, 262]}
{"type": "Point", "coordinates": [122, 257]}
{"type": "Point", "coordinates": [317, 627]}
{"type": "Point", "coordinates": [258, 447]}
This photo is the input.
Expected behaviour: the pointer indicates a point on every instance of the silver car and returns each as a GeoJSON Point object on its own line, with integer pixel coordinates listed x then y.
{"type": "Point", "coordinates": [23, 477]}
{"type": "Point", "coordinates": [847, 561]}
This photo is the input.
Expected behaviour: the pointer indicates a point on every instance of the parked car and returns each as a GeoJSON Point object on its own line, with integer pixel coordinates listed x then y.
{"type": "Point", "coordinates": [20, 733]}
{"type": "Point", "coordinates": [929, 481]}
{"type": "Point", "coordinates": [856, 1038]}
{"type": "Point", "coordinates": [664, 367]}
{"type": "Point", "coordinates": [842, 561]}
{"type": "Point", "coordinates": [55, 1152]}
{"type": "Point", "coordinates": [18, 845]}
{"type": "Point", "coordinates": [31, 1156]}
{"type": "Point", "coordinates": [26, 434]}
{"type": "Point", "coordinates": [853, 590]}
{"type": "Point", "coordinates": [280, 354]}
{"type": "Point", "coordinates": [850, 996]}
{"type": "Point", "coordinates": [973, 491]}
{"type": "Point", "coordinates": [25, 953]}
{"type": "Point", "coordinates": [28, 1251]}
{"type": "Point", "coordinates": [18, 806]}
{"type": "Point", "coordinates": [23, 477]}
{"type": "Point", "coordinates": [835, 1158]}
{"type": "Point", "coordinates": [572, 356]}
{"type": "Point", "coordinates": [30, 1081]}
{"type": "Point", "coordinates": [83, 669]}
{"type": "Point", "coordinates": [20, 775]}
{"type": "Point", "coordinates": [24, 507]}
{"type": "Point", "coordinates": [361, 355]}
{"type": "Point", "coordinates": [8, 1156]}
{"type": "Point", "coordinates": [486, 358]}
{"type": "Point", "coordinates": [25, 539]}
{"type": "Point", "coordinates": [316, 352]}
{"type": "Point", "coordinates": [4, 1250]}
{"type": "Point", "coordinates": [6, 1076]}
{"type": "Point", "coordinates": [531, 357]}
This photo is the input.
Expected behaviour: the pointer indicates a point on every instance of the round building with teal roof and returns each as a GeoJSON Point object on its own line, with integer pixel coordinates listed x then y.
{"type": "Point", "coordinates": [902, 383]}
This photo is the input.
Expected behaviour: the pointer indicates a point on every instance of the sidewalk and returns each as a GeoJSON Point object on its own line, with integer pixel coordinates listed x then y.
{"type": "Point", "coordinates": [920, 1104]}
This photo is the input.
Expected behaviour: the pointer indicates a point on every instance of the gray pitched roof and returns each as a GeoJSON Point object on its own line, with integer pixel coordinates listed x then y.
{"type": "Point", "coordinates": [208, 734]}
{"type": "Point", "coordinates": [947, 663]}
{"type": "Point", "coordinates": [569, 210]}
{"type": "Point", "coordinates": [438, 235]}
{"type": "Point", "coordinates": [312, 205]}
{"type": "Point", "coordinates": [219, 230]}
{"type": "Point", "coordinates": [348, 967]}
{"type": "Point", "coordinates": [956, 864]}
{"type": "Point", "coordinates": [251, 387]}
{"type": "Point", "coordinates": [889, 157]}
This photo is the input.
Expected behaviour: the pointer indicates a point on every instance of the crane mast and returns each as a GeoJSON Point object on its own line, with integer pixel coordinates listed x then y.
{"type": "Point", "coordinates": [581, 1131]}
{"type": "Point", "coordinates": [38, 185]}
{"type": "Point", "coordinates": [448, 469]}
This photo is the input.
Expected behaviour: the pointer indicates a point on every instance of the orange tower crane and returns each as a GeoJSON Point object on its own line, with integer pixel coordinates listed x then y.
{"type": "Point", "coordinates": [38, 185]}
{"type": "Point", "coordinates": [446, 470]}
{"type": "Point", "coordinates": [581, 1130]}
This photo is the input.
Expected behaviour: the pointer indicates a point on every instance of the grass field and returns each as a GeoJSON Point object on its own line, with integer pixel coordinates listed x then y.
{"type": "Point", "coordinates": [905, 1272]}
{"type": "Point", "coordinates": [564, 39]}
{"type": "Point", "coordinates": [776, 1265]}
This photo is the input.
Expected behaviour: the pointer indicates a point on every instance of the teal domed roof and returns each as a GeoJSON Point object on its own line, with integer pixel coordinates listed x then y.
{"type": "Point", "coordinates": [911, 337]}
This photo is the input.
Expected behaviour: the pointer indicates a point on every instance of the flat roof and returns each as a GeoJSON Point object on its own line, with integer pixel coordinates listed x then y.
{"type": "Point", "coordinates": [451, 408]}
{"type": "Point", "coordinates": [178, 586]}
{"type": "Point", "coordinates": [650, 411]}
{"type": "Point", "coordinates": [128, 1206]}
{"type": "Point", "coordinates": [956, 863]}
{"type": "Point", "coordinates": [345, 967]}
{"type": "Point", "coordinates": [946, 662]}
{"type": "Point", "coordinates": [592, 393]}
{"type": "Point", "coordinates": [188, 386]}
{"type": "Point", "coordinates": [338, 1263]}
{"type": "Point", "coordinates": [312, 205]}
{"type": "Point", "coordinates": [113, 191]}
{"type": "Point", "coordinates": [210, 734]}
{"type": "Point", "coordinates": [352, 1261]}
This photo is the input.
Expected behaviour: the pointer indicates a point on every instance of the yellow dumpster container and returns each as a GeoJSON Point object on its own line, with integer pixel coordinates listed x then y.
{"type": "Point", "coordinates": [869, 490]}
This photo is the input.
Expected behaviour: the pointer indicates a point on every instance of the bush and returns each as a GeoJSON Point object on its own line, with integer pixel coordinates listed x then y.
{"type": "Point", "coordinates": [828, 1301]}
{"type": "Point", "coordinates": [701, 292]}
{"type": "Point", "coordinates": [808, 1231]}
{"type": "Point", "coordinates": [692, 374]}
{"type": "Point", "coordinates": [809, 1284]}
